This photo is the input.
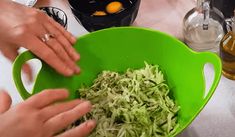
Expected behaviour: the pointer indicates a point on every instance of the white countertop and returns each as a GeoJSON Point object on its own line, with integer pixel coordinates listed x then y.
{"type": "Point", "coordinates": [218, 117]}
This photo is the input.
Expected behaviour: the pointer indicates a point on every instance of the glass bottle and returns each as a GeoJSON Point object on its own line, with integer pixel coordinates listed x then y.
{"type": "Point", "coordinates": [227, 52]}
{"type": "Point", "coordinates": [203, 27]}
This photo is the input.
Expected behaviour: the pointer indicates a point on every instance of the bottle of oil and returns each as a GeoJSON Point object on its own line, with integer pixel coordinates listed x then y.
{"type": "Point", "coordinates": [227, 52]}
{"type": "Point", "coordinates": [203, 27]}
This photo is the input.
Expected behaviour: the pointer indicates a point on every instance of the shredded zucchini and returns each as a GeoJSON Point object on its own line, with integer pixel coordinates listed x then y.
{"type": "Point", "coordinates": [133, 104]}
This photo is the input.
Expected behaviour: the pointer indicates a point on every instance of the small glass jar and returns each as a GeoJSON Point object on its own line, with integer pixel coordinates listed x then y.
{"type": "Point", "coordinates": [203, 27]}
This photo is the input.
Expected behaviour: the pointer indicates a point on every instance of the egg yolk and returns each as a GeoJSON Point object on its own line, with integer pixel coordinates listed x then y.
{"type": "Point", "coordinates": [99, 13]}
{"type": "Point", "coordinates": [114, 7]}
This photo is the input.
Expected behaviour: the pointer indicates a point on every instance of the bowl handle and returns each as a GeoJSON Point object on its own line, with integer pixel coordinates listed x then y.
{"type": "Point", "coordinates": [17, 66]}
{"type": "Point", "coordinates": [212, 58]}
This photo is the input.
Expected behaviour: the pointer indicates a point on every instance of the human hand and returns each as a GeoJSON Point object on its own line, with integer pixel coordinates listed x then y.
{"type": "Point", "coordinates": [26, 27]}
{"type": "Point", "coordinates": [39, 116]}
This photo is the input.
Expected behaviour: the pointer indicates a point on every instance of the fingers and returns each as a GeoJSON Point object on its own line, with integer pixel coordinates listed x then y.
{"type": "Point", "coordinates": [62, 54]}
{"type": "Point", "coordinates": [82, 130]}
{"type": "Point", "coordinates": [47, 97]}
{"type": "Point", "coordinates": [56, 109]}
{"type": "Point", "coordinates": [61, 46]}
{"type": "Point", "coordinates": [63, 120]}
{"type": "Point", "coordinates": [54, 50]}
{"type": "Point", "coordinates": [5, 101]}
{"type": "Point", "coordinates": [57, 47]}
{"type": "Point", "coordinates": [63, 40]}
{"type": "Point", "coordinates": [49, 56]}
{"type": "Point", "coordinates": [67, 34]}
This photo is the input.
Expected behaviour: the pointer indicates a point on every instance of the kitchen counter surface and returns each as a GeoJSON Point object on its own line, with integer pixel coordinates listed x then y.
{"type": "Point", "coordinates": [218, 117]}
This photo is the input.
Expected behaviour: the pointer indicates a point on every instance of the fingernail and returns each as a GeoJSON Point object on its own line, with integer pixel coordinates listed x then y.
{"type": "Point", "coordinates": [77, 70]}
{"type": "Point", "coordinates": [66, 92]}
{"type": "Point", "coordinates": [80, 101]}
{"type": "Point", "coordinates": [69, 71]}
{"type": "Point", "coordinates": [76, 56]}
{"type": "Point", "coordinates": [73, 40]}
{"type": "Point", "coordinates": [91, 123]}
{"type": "Point", "coordinates": [87, 103]}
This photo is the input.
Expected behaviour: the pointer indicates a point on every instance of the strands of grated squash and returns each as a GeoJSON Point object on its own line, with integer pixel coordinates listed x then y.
{"type": "Point", "coordinates": [133, 104]}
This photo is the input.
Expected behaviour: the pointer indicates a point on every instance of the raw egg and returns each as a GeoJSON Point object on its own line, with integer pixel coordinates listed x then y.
{"type": "Point", "coordinates": [114, 7]}
{"type": "Point", "coordinates": [99, 13]}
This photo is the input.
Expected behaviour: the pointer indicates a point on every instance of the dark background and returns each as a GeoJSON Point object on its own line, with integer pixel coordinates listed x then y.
{"type": "Point", "coordinates": [226, 6]}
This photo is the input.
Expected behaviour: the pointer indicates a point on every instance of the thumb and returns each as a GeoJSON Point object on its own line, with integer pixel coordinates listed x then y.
{"type": "Point", "coordinates": [5, 101]}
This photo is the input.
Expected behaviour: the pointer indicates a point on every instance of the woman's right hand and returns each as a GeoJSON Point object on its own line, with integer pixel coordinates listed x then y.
{"type": "Point", "coordinates": [32, 29]}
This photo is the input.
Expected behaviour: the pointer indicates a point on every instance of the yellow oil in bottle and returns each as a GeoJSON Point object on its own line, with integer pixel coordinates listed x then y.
{"type": "Point", "coordinates": [227, 54]}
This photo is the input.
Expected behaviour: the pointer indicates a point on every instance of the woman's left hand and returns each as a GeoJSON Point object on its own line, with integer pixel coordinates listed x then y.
{"type": "Point", "coordinates": [39, 116]}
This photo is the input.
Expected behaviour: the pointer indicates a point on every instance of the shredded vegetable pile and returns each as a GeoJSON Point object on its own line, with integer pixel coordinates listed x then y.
{"type": "Point", "coordinates": [133, 104]}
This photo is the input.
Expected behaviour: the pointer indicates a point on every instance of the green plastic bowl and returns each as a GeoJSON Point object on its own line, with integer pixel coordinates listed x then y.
{"type": "Point", "coordinates": [117, 49]}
